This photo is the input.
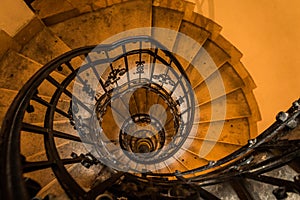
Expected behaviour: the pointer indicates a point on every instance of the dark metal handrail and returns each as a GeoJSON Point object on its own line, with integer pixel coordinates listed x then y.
{"type": "Point", "coordinates": [239, 164]}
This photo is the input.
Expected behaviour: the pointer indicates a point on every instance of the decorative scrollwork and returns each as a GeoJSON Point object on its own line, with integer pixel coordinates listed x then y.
{"type": "Point", "coordinates": [87, 88]}
{"type": "Point", "coordinates": [140, 67]}
{"type": "Point", "coordinates": [72, 110]}
{"type": "Point", "coordinates": [87, 160]}
{"type": "Point", "coordinates": [180, 100]}
{"type": "Point", "coordinates": [114, 76]}
{"type": "Point", "coordinates": [164, 78]}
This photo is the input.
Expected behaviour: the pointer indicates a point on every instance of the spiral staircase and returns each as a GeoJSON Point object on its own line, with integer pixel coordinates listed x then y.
{"type": "Point", "coordinates": [101, 106]}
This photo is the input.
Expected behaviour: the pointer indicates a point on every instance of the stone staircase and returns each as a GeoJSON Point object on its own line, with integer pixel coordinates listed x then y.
{"type": "Point", "coordinates": [62, 26]}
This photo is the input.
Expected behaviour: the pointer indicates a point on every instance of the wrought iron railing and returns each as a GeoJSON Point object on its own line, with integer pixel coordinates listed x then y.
{"type": "Point", "coordinates": [86, 111]}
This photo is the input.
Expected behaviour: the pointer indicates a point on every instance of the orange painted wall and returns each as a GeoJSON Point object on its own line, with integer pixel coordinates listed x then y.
{"type": "Point", "coordinates": [267, 32]}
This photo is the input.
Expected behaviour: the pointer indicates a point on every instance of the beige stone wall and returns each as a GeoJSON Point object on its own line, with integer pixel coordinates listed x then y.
{"type": "Point", "coordinates": [14, 15]}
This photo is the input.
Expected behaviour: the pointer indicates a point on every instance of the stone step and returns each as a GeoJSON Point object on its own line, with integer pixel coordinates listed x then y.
{"type": "Point", "coordinates": [45, 176]}
{"type": "Point", "coordinates": [172, 12]}
{"type": "Point", "coordinates": [7, 42]}
{"type": "Point", "coordinates": [168, 19]}
{"type": "Point", "coordinates": [255, 113]}
{"type": "Point", "coordinates": [16, 66]}
{"type": "Point", "coordinates": [205, 23]}
{"type": "Point", "coordinates": [93, 28]}
{"type": "Point", "coordinates": [63, 10]}
{"type": "Point", "coordinates": [188, 42]}
{"type": "Point", "coordinates": [69, 147]}
{"type": "Point", "coordinates": [65, 146]}
{"type": "Point", "coordinates": [235, 105]}
{"type": "Point", "coordinates": [207, 61]}
{"type": "Point", "coordinates": [39, 113]}
{"type": "Point", "coordinates": [220, 51]}
{"type": "Point", "coordinates": [234, 131]}
{"type": "Point", "coordinates": [183, 161]}
{"type": "Point", "coordinates": [36, 151]}
{"type": "Point", "coordinates": [51, 11]}
{"type": "Point", "coordinates": [44, 47]}
{"type": "Point", "coordinates": [189, 157]}
{"type": "Point", "coordinates": [178, 5]}
{"type": "Point", "coordinates": [91, 5]}
{"type": "Point", "coordinates": [94, 5]}
{"type": "Point", "coordinates": [35, 41]}
{"type": "Point", "coordinates": [64, 126]}
{"type": "Point", "coordinates": [211, 150]}
{"type": "Point", "coordinates": [210, 88]}
{"type": "Point", "coordinates": [227, 77]}
{"type": "Point", "coordinates": [54, 190]}
{"type": "Point", "coordinates": [6, 98]}
{"type": "Point", "coordinates": [140, 100]}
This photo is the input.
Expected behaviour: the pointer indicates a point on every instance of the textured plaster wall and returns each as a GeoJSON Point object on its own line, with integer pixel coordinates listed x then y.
{"type": "Point", "coordinates": [14, 14]}
{"type": "Point", "coordinates": [267, 32]}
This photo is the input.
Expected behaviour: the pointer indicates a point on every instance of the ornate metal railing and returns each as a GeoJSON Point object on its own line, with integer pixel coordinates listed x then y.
{"type": "Point", "coordinates": [87, 102]}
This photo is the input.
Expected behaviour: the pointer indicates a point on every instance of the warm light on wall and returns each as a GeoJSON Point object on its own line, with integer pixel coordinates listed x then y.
{"type": "Point", "coordinates": [267, 33]}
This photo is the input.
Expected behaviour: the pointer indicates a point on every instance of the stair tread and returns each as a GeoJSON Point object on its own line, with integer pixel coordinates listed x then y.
{"type": "Point", "coordinates": [13, 66]}
{"type": "Point", "coordinates": [205, 23]}
{"type": "Point", "coordinates": [89, 5]}
{"type": "Point", "coordinates": [36, 116]}
{"type": "Point", "coordinates": [44, 47]}
{"type": "Point", "coordinates": [28, 148]}
{"type": "Point", "coordinates": [191, 160]}
{"type": "Point", "coordinates": [212, 151]}
{"type": "Point", "coordinates": [6, 98]}
{"type": "Point", "coordinates": [231, 50]}
{"type": "Point", "coordinates": [7, 42]}
{"type": "Point", "coordinates": [227, 76]}
{"type": "Point", "coordinates": [172, 21]}
{"type": "Point", "coordinates": [222, 190]}
{"type": "Point", "coordinates": [60, 125]}
{"type": "Point", "coordinates": [177, 5]}
{"type": "Point", "coordinates": [54, 189]}
{"type": "Point", "coordinates": [47, 8]}
{"type": "Point", "coordinates": [46, 174]}
{"type": "Point", "coordinates": [93, 28]}
{"type": "Point", "coordinates": [219, 55]}
{"type": "Point", "coordinates": [206, 62]}
{"type": "Point", "coordinates": [33, 150]}
{"type": "Point", "coordinates": [68, 147]}
{"type": "Point", "coordinates": [232, 105]}
{"type": "Point", "coordinates": [41, 155]}
{"type": "Point", "coordinates": [9, 95]}
{"type": "Point", "coordinates": [188, 42]}
{"type": "Point", "coordinates": [234, 131]}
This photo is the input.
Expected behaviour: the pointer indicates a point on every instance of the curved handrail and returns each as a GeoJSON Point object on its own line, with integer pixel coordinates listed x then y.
{"type": "Point", "coordinates": [12, 183]}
